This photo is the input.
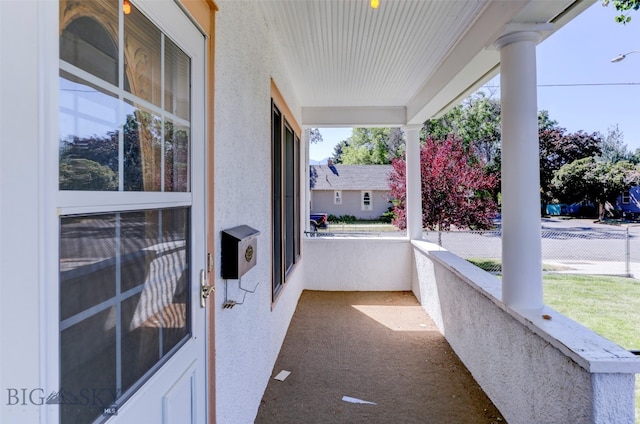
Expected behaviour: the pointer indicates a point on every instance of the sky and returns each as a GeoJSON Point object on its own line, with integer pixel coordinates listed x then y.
{"type": "Point", "coordinates": [577, 83]}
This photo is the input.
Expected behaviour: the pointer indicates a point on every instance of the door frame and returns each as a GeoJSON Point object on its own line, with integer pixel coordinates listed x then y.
{"type": "Point", "coordinates": [55, 203]}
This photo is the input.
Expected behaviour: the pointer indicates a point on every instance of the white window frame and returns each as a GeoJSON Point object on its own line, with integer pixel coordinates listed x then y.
{"type": "Point", "coordinates": [337, 197]}
{"type": "Point", "coordinates": [363, 205]}
{"type": "Point", "coordinates": [626, 197]}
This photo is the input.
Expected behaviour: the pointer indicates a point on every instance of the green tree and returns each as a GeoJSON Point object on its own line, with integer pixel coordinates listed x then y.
{"type": "Point", "coordinates": [85, 174]}
{"type": "Point", "coordinates": [337, 151]}
{"type": "Point", "coordinates": [558, 148]}
{"type": "Point", "coordinates": [447, 124]}
{"type": "Point", "coordinates": [623, 6]}
{"type": "Point", "coordinates": [545, 122]}
{"type": "Point", "coordinates": [315, 136]}
{"type": "Point", "coordinates": [634, 157]}
{"type": "Point", "coordinates": [613, 148]}
{"type": "Point", "coordinates": [476, 121]}
{"type": "Point", "coordinates": [594, 181]}
{"type": "Point", "coordinates": [370, 146]}
{"type": "Point", "coordinates": [395, 143]}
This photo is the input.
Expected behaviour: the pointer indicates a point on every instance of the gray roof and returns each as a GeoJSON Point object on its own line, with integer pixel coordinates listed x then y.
{"type": "Point", "coordinates": [350, 177]}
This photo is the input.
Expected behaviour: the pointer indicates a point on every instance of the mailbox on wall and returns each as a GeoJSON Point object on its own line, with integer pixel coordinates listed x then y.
{"type": "Point", "coordinates": [239, 251]}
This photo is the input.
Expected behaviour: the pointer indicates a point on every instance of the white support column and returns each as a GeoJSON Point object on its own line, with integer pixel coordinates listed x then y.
{"type": "Point", "coordinates": [521, 240]}
{"type": "Point", "coordinates": [414, 182]}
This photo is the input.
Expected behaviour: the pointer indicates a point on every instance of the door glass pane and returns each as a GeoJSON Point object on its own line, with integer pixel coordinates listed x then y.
{"type": "Point", "coordinates": [109, 139]}
{"type": "Point", "coordinates": [89, 37]}
{"type": "Point", "coordinates": [143, 149]}
{"type": "Point", "coordinates": [123, 303]}
{"type": "Point", "coordinates": [88, 369]}
{"type": "Point", "coordinates": [177, 97]}
{"type": "Point", "coordinates": [87, 264]}
{"type": "Point", "coordinates": [88, 136]}
{"type": "Point", "coordinates": [176, 157]}
{"type": "Point", "coordinates": [142, 41]}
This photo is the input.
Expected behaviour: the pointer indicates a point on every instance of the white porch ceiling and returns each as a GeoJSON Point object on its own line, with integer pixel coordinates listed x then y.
{"type": "Point", "coordinates": [402, 63]}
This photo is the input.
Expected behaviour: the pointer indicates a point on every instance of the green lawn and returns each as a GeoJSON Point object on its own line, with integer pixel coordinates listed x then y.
{"type": "Point", "coordinates": [609, 306]}
{"type": "Point", "coordinates": [360, 226]}
{"type": "Point", "coordinates": [495, 265]}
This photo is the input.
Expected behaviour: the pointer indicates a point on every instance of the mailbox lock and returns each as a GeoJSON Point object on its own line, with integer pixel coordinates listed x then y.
{"type": "Point", "coordinates": [248, 254]}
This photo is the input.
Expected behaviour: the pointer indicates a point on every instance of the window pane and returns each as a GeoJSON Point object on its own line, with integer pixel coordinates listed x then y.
{"type": "Point", "coordinates": [124, 301]}
{"type": "Point", "coordinates": [176, 157]}
{"type": "Point", "coordinates": [290, 216]}
{"type": "Point", "coordinates": [88, 136]}
{"type": "Point", "coordinates": [276, 142]}
{"type": "Point", "coordinates": [177, 80]}
{"type": "Point", "coordinates": [142, 40]}
{"type": "Point", "coordinates": [89, 37]}
{"type": "Point", "coordinates": [142, 150]}
{"type": "Point", "coordinates": [296, 197]}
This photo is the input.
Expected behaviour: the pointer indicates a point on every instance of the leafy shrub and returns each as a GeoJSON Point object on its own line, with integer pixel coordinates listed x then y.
{"type": "Point", "coordinates": [347, 218]}
{"type": "Point", "coordinates": [387, 217]}
{"type": "Point", "coordinates": [342, 218]}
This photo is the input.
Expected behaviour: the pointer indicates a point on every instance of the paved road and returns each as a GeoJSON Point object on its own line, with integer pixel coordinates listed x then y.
{"type": "Point", "coordinates": [581, 244]}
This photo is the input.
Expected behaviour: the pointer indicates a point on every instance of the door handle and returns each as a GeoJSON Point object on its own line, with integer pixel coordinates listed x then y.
{"type": "Point", "coordinates": [205, 289]}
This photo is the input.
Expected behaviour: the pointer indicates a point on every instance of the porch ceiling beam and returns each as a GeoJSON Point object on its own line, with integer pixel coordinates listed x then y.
{"type": "Point", "coordinates": [395, 116]}
{"type": "Point", "coordinates": [474, 61]}
{"type": "Point", "coordinates": [471, 57]}
{"type": "Point", "coordinates": [450, 94]}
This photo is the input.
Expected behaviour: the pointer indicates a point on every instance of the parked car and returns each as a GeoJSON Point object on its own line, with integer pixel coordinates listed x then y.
{"type": "Point", "coordinates": [318, 220]}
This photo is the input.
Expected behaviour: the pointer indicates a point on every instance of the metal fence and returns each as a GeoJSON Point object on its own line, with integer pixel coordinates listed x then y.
{"type": "Point", "coordinates": [601, 251]}
{"type": "Point", "coordinates": [587, 251]}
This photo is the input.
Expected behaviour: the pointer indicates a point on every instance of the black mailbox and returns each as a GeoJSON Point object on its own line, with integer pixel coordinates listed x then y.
{"type": "Point", "coordinates": [239, 251]}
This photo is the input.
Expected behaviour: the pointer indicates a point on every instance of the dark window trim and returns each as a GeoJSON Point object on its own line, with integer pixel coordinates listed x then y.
{"type": "Point", "coordinates": [286, 225]}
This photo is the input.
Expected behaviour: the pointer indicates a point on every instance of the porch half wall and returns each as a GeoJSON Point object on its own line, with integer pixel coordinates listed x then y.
{"type": "Point", "coordinates": [536, 366]}
{"type": "Point", "coordinates": [535, 370]}
{"type": "Point", "coordinates": [357, 264]}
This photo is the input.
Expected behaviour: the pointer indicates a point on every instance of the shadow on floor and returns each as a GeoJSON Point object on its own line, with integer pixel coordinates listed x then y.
{"type": "Point", "coordinates": [379, 347]}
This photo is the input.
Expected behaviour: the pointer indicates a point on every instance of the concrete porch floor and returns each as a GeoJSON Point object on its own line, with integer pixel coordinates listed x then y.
{"type": "Point", "coordinates": [379, 347]}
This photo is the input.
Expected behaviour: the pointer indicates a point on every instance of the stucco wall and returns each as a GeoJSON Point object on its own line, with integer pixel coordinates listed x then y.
{"type": "Point", "coordinates": [534, 370]}
{"type": "Point", "coordinates": [322, 201]}
{"type": "Point", "coordinates": [248, 336]}
{"type": "Point", "coordinates": [357, 264]}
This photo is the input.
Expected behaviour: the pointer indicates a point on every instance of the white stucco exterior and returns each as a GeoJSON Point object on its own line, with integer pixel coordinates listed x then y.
{"type": "Point", "coordinates": [248, 336]}
{"type": "Point", "coordinates": [535, 369]}
{"type": "Point", "coordinates": [323, 201]}
{"type": "Point", "coordinates": [357, 264]}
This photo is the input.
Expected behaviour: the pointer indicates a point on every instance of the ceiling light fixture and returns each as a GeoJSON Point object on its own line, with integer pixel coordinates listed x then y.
{"type": "Point", "coordinates": [375, 4]}
{"type": "Point", "coordinates": [126, 7]}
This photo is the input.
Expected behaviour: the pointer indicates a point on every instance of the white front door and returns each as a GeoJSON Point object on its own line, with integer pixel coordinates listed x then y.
{"type": "Point", "coordinates": [131, 206]}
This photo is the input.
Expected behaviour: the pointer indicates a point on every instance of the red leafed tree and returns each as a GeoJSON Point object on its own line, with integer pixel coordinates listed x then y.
{"type": "Point", "coordinates": [455, 189]}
